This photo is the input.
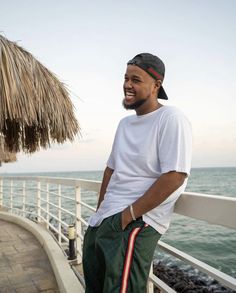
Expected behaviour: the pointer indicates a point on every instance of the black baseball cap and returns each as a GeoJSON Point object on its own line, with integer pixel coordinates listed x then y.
{"type": "Point", "coordinates": [153, 66]}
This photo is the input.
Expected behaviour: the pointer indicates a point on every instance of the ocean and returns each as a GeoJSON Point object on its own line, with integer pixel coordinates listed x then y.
{"type": "Point", "coordinates": [215, 245]}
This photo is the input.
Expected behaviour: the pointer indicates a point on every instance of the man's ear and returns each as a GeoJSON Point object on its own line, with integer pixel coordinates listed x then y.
{"type": "Point", "coordinates": [158, 83]}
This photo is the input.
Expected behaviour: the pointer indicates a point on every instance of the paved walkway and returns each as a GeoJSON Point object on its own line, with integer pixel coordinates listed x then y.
{"type": "Point", "coordinates": [24, 266]}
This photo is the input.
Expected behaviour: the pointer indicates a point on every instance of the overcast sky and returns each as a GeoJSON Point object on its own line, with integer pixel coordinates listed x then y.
{"type": "Point", "coordinates": [87, 44]}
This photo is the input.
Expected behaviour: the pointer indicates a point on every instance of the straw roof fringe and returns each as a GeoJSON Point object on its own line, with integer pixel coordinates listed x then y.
{"type": "Point", "coordinates": [35, 105]}
{"type": "Point", "coordinates": [5, 156]}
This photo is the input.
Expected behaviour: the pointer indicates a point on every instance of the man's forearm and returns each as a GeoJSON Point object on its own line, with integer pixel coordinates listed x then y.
{"type": "Point", "coordinates": [161, 189]}
{"type": "Point", "coordinates": [106, 178]}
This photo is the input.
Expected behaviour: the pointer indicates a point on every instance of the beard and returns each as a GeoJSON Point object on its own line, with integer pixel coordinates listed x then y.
{"type": "Point", "coordinates": [135, 105]}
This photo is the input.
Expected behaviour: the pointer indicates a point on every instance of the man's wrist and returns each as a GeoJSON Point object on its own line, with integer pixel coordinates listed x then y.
{"type": "Point", "coordinates": [126, 218]}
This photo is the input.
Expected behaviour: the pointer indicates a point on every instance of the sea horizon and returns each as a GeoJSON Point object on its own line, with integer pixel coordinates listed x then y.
{"type": "Point", "coordinates": [97, 170]}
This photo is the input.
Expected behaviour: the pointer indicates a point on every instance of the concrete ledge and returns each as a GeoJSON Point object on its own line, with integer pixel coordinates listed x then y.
{"type": "Point", "coordinates": [66, 279]}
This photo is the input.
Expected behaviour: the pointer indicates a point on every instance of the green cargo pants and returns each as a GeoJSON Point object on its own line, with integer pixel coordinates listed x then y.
{"type": "Point", "coordinates": [115, 260]}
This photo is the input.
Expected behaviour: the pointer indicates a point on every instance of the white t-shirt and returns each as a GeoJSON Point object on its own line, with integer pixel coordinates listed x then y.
{"type": "Point", "coordinates": [144, 148]}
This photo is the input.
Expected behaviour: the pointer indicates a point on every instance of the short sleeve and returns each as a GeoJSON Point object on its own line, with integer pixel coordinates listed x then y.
{"type": "Point", "coordinates": [175, 144]}
{"type": "Point", "coordinates": [111, 161]}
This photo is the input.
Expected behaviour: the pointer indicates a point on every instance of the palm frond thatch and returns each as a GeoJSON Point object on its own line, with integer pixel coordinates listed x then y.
{"type": "Point", "coordinates": [5, 155]}
{"type": "Point", "coordinates": [35, 105]}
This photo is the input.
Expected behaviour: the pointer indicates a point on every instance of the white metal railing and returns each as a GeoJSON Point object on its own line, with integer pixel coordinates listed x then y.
{"type": "Point", "coordinates": [57, 203]}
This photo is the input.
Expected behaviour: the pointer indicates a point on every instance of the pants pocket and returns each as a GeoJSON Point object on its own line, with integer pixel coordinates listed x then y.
{"type": "Point", "coordinates": [116, 222]}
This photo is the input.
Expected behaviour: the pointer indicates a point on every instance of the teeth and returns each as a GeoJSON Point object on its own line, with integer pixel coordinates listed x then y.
{"type": "Point", "coordinates": [129, 94]}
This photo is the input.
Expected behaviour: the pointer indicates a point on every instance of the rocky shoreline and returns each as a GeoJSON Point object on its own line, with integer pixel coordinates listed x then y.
{"type": "Point", "coordinates": [181, 281]}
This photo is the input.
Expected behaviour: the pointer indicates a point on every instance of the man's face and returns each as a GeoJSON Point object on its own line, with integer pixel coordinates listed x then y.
{"type": "Point", "coordinates": [138, 87]}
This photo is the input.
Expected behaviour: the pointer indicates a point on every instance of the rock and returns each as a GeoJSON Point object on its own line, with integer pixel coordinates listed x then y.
{"type": "Point", "coordinates": [180, 285]}
{"type": "Point", "coordinates": [182, 282]}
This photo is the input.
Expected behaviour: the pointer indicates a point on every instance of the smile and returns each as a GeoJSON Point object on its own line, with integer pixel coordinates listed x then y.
{"type": "Point", "coordinates": [129, 95]}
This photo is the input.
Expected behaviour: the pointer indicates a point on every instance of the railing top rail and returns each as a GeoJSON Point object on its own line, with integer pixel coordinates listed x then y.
{"type": "Point", "coordinates": [87, 184]}
{"type": "Point", "coordinates": [219, 210]}
{"type": "Point", "coordinates": [90, 184]}
{"type": "Point", "coordinates": [211, 196]}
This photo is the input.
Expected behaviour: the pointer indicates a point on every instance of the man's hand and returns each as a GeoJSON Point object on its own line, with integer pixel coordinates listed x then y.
{"type": "Point", "coordinates": [126, 218]}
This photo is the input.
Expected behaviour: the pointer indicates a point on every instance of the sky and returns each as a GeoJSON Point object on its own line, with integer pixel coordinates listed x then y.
{"type": "Point", "coordinates": [87, 45]}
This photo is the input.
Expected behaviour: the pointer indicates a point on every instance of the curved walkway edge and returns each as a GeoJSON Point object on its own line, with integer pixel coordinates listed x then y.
{"type": "Point", "coordinates": [66, 279]}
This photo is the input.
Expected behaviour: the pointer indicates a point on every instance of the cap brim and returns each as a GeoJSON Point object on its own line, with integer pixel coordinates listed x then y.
{"type": "Point", "coordinates": [162, 94]}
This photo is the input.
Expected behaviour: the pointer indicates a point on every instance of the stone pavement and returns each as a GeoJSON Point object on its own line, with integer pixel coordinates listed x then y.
{"type": "Point", "coordinates": [24, 266]}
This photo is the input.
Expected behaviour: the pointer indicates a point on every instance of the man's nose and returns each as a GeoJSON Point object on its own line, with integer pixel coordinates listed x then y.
{"type": "Point", "coordinates": [128, 84]}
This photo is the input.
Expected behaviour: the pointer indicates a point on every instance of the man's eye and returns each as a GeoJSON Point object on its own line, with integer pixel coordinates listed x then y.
{"type": "Point", "coordinates": [136, 80]}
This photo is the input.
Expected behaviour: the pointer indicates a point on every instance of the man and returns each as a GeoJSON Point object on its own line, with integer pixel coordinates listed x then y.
{"type": "Point", "coordinates": [146, 172]}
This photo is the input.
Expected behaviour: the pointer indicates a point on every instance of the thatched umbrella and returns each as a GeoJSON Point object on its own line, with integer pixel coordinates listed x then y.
{"type": "Point", "coordinates": [35, 106]}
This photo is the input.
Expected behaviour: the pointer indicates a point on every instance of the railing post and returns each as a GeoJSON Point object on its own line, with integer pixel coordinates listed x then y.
{"type": "Point", "coordinates": [78, 225]}
{"type": "Point", "coordinates": [47, 206]}
{"type": "Point", "coordinates": [150, 287]}
{"type": "Point", "coordinates": [23, 198]}
{"type": "Point", "coordinates": [59, 213]}
{"type": "Point", "coordinates": [1, 190]}
{"type": "Point", "coordinates": [38, 201]}
{"type": "Point", "coordinates": [11, 196]}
